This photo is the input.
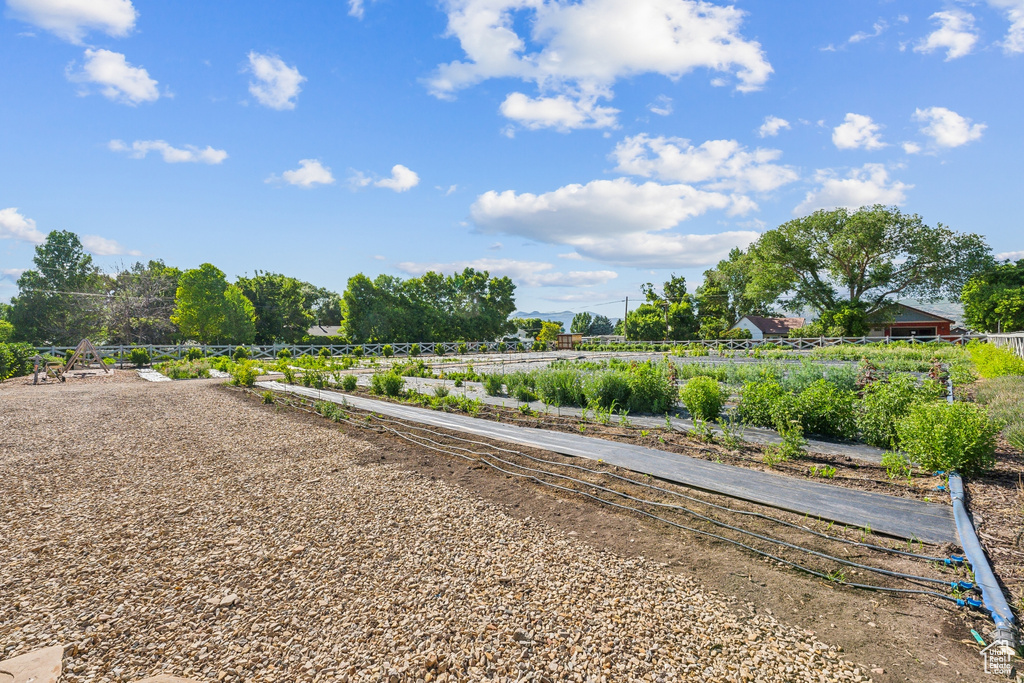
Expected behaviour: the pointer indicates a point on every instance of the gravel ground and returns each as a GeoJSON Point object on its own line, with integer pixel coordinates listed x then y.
{"type": "Point", "coordinates": [177, 528]}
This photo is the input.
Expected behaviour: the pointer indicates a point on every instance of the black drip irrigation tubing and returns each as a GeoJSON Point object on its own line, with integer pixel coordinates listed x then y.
{"type": "Point", "coordinates": [827, 577]}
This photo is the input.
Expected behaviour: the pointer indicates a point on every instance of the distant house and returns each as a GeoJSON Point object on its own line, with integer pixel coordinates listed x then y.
{"type": "Point", "coordinates": [324, 331]}
{"type": "Point", "coordinates": [767, 328]}
{"type": "Point", "coordinates": [908, 321]}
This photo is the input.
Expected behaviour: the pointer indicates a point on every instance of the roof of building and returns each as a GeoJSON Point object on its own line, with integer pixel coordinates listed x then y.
{"type": "Point", "coordinates": [774, 325]}
{"type": "Point", "coordinates": [911, 314]}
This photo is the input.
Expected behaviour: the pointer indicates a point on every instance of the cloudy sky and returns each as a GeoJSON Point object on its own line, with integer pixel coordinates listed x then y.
{"type": "Point", "coordinates": [581, 147]}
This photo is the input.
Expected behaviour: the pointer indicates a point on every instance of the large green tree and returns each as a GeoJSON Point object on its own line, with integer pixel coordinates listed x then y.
{"type": "Point", "coordinates": [581, 323]}
{"type": "Point", "coordinates": [677, 310]}
{"type": "Point", "coordinates": [601, 326]}
{"type": "Point", "coordinates": [469, 305]}
{"type": "Point", "coordinates": [282, 311]}
{"type": "Point", "coordinates": [860, 262]}
{"type": "Point", "coordinates": [210, 311]}
{"type": "Point", "coordinates": [645, 323]}
{"type": "Point", "coordinates": [141, 302]}
{"type": "Point", "coordinates": [994, 298]}
{"type": "Point", "coordinates": [725, 296]}
{"type": "Point", "coordinates": [63, 299]}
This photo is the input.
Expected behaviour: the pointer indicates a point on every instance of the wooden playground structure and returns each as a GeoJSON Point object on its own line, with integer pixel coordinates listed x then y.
{"type": "Point", "coordinates": [84, 356]}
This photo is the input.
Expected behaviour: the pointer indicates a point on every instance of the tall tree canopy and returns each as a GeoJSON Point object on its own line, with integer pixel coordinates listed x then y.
{"type": "Point", "coordinates": [209, 310]}
{"type": "Point", "coordinates": [62, 300]}
{"type": "Point", "coordinates": [469, 305]}
{"type": "Point", "coordinates": [581, 323]}
{"type": "Point", "coordinates": [675, 307]}
{"type": "Point", "coordinates": [723, 298]}
{"type": "Point", "coordinates": [994, 298]}
{"type": "Point", "coordinates": [862, 260]}
{"type": "Point", "coordinates": [282, 312]}
{"type": "Point", "coordinates": [141, 303]}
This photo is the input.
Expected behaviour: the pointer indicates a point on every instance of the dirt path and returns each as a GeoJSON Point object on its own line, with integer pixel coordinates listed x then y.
{"type": "Point", "coordinates": [187, 528]}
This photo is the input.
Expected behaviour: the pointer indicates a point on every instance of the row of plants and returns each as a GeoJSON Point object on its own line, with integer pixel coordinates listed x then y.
{"type": "Point", "coordinates": [793, 377]}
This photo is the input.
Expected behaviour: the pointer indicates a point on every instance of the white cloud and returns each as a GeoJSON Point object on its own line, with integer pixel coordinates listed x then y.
{"type": "Point", "coordinates": [357, 8]}
{"type": "Point", "coordinates": [11, 274]}
{"type": "Point", "coordinates": [858, 131]}
{"type": "Point", "coordinates": [863, 186]}
{"type": "Point", "coordinates": [309, 174]}
{"type": "Point", "coordinates": [947, 128]}
{"type": "Point", "coordinates": [877, 29]}
{"type": "Point", "coordinates": [956, 34]}
{"type": "Point", "coordinates": [911, 148]}
{"type": "Point", "coordinates": [721, 164]}
{"type": "Point", "coordinates": [401, 179]}
{"type": "Point", "coordinates": [14, 226]}
{"type": "Point", "coordinates": [582, 48]}
{"type": "Point", "coordinates": [560, 112]}
{"type": "Point", "coordinates": [72, 19]}
{"type": "Point", "coordinates": [771, 126]}
{"type": "Point", "coordinates": [1010, 256]}
{"type": "Point", "coordinates": [101, 246]}
{"type": "Point", "coordinates": [276, 84]}
{"type": "Point", "coordinates": [116, 78]}
{"type": "Point", "coordinates": [172, 155]}
{"type": "Point", "coordinates": [1014, 41]}
{"type": "Point", "coordinates": [528, 273]}
{"type": "Point", "coordinates": [662, 105]}
{"type": "Point", "coordinates": [614, 221]}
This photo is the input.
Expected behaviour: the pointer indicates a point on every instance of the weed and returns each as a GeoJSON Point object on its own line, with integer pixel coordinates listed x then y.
{"type": "Point", "coordinates": [837, 576]}
{"type": "Point", "coordinates": [824, 471]}
{"type": "Point", "coordinates": [493, 384]}
{"type": "Point", "coordinates": [644, 433]}
{"type": "Point", "coordinates": [897, 466]}
{"type": "Point", "coordinates": [267, 398]}
{"type": "Point", "coordinates": [703, 430]}
{"type": "Point", "coordinates": [732, 430]}
{"type": "Point", "coordinates": [582, 428]}
{"type": "Point", "coordinates": [624, 418]}
{"type": "Point", "coordinates": [525, 409]}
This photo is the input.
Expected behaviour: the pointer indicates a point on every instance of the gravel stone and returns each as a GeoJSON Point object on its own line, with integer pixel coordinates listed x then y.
{"type": "Point", "coordinates": [196, 534]}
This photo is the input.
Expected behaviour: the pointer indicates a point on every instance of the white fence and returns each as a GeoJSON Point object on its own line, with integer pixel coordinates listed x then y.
{"type": "Point", "coordinates": [176, 351]}
{"type": "Point", "coordinates": [1013, 342]}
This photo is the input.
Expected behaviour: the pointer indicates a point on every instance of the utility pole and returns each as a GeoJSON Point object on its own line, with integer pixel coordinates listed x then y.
{"type": "Point", "coordinates": [624, 316]}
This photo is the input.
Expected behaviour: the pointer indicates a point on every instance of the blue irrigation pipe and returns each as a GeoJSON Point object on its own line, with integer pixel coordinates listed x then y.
{"type": "Point", "coordinates": [991, 594]}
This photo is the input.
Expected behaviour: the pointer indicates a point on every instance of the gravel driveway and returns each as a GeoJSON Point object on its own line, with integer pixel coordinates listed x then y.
{"type": "Point", "coordinates": [179, 528]}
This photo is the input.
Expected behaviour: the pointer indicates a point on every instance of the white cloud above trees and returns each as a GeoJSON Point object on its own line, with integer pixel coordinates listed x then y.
{"type": "Point", "coordinates": [275, 84]}
{"type": "Point", "coordinates": [528, 273]}
{"type": "Point", "coordinates": [116, 79]}
{"type": "Point", "coordinates": [101, 246]}
{"type": "Point", "coordinates": [582, 49]}
{"type": "Point", "coordinates": [863, 186]}
{"type": "Point", "coordinates": [956, 34]}
{"type": "Point", "coordinates": [172, 155]}
{"type": "Point", "coordinates": [857, 132]}
{"type": "Point", "coordinates": [71, 20]}
{"type": "Point", "coordinates": [309, 174]}
{"type": "Point", "coordinates": [15, 226]}
{"type": "Point", "coordinates": [771, 126]}
{"type": "Point", "coordinates": [946, 128]}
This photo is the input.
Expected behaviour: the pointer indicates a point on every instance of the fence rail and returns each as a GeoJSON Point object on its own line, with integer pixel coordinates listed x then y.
{"type": "Point", "coordinates": [178, 351]}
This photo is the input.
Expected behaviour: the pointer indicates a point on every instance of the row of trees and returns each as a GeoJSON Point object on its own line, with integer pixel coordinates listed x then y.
{"type": "Point", "coordinates": [849, 267]}
{"type": "Point", "coordinates": [66, 298]}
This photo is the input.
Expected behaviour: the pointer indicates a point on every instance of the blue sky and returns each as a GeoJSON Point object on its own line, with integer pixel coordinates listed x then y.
{"type": "Point", "coordinates": [582, 148]}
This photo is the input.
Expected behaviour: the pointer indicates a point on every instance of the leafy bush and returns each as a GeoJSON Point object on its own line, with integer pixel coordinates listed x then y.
{"type": "Point", "coordinates": [240, 353]}
{"type": "Point", "coordinates": [267, 398]}
{"type": "Point", "coordinates": [823, 409]}
{"type": "Point", "coordinates": [194, 353]}
{"type": "Point", "coordinates": [520, 347]}
{"type": "Point", "coordinates": [185, 369]}
{"type": "Point", "coordinates": [440, 391]}
{"type": "Point", "coordinates": [759, 403]}
{"type": "Point", "coordinates": [502, 347]}
{"type": "Point", "coordinates": [387, 350]}
{"type": "Point", "coordinates": [560, 387]}
{"type": "Point", "coordinates": [15, 360]}
{"type": "Point", "coordinates": [993, 361]}
{"type": "Point", "coordinates": [243, 374]}
{"type": "Point", "coordinates": [289, 374]}
{"type": "Point", "coordinates": [414, 350]}
{"type": "Point", "coordinates": [348, 382]}
{"type": "Point", "coordinates": [539, 346]}
{"type": "Point", "coordinates": [138, 357]}
{"type": "Point", "coordinates": [462, 348]}
{"type": "Point", "coordinates": [703, 398]}
{"type": "Point", "coordinates": [357, 352]}
{"type": "Point", "coordinates": [387, 383]}
{"type": "Point", "coordinates": [606, 389]}
{"type": "Point", "coordinates": [650, 389]}
{"type": "Point", "coordinates": [324, 352]}
{"type": "Point", "coordinates": [957, 437]}
{"type": "Point", "coordinates": [493, 384]}
{"type": "Point", "coordinates": [438, 349]}
{"type": "Point", "coordinates": [284, 353]}
{"type": "Point", "coordinates": [1003, 397]}
{"type": "Point", "coordinates": [884, 404]}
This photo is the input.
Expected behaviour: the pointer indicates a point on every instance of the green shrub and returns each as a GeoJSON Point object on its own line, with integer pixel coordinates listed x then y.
{"type": "Point", "coordinates": [15, 360]}
{"type": "Point", "coordinates": [607, 389]}
{"type": "Point", "coordinates": [194, 353]}
{"type": "Point", "coordinates": [993, 361]}
{"type": "Point", "coordinates": [240, 353]}
{"type": "Point", "coordinates": [440, 391]}
{"type": "Point", "coordinates": [324, 352]}
{"type": "Point", "coordinates": [268, 398]}
{"type": "Point", "coordinates": [957, 437]}
{"type": "Point", "coordinates": [138, 357]}
{"type": "Point", "coordinates": [289, 374]}
{"type": "Point", "coordinates": [414, 350]}
{"type": "Point", "coordinates": [439, 349]}
{"type": "Point", "coordinates": [462, 348]}
{"type": "Point", "coordinates": [884, 404]}
{"type": "Point", "coordinates": [493, 384]}
{"type": "Point", "coordinates": [825, 410]}
{"type": "Point", "coordinates": [650, 389]}
{"type": "Point", "coordinates": [703, 398]}
{"type": "Point", "coordinates": [760, 402]}
{"type": "Point", "coordinates": [539, 346]}
{"type": "Point", "coordinates": [502, 347]}
{"type": "Point", "coordinates": [387, 383]}
{"type": "Point", "coordinates": [560, 387]}
{"type": "Point", "coordinates": [243, 374]}
{"type": "Point", "coordinates": [387, 351]}
{"type": "Point", "coordinates": [520, 347]}
{"type": "Point", "coordinates": [1003, 397]}
{"type": "Point", "coordinates": [349, 382]}
{"type": "Point", "coordinates": [358, 352]}
{"type": "Point", "coordinates": [284, 353]}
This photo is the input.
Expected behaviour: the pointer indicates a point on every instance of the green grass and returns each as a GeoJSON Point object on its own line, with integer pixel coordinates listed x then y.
{"type": "Point", "coordinates": [1003, 397]}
